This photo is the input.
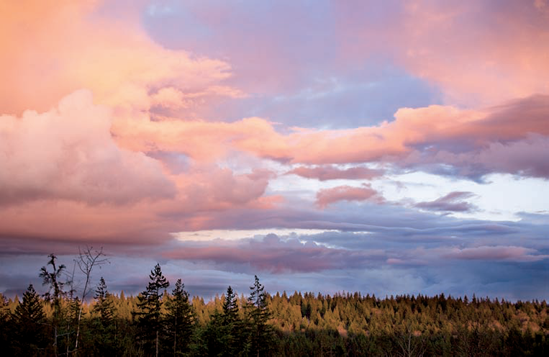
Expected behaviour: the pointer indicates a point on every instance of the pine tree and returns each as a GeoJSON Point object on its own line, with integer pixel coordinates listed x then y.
{"type": "Point", "coordinates": [180, 318]}
{"type": "Point", "coordinates": [104, 326]}
{"type": "Point", "coordinates": [149, 314]}
{"type": "Point", "coordinates": [223, 335]}
{"type": "Point", "coordinates": [230, 307]}
{"type": "Point", "coordinates": [261, 334]}
{"type": "Point", "coordinates": [104, 305]}
{"type": "Point", "coordinates": [28, 320]}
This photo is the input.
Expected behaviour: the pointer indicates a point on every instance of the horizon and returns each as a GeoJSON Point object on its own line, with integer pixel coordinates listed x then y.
{"type": "Point", "coordinates": [390, 149]}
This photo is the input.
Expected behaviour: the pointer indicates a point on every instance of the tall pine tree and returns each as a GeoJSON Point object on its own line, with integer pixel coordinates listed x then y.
{"type": "Point", "coordinates": [258, 315]}
{"type": "Point", "coordinates": [149, 314]}
{"type": "Point", "coordinates": [104, 306]}
{"type": "Point", "coordinates": [180, 319]}
{"type": "Point", "coordinates": [223, 335]}
{"type": "Point", "coordinates": [104, 325]}
{"type": "Point", "coordinates": [28, 320]}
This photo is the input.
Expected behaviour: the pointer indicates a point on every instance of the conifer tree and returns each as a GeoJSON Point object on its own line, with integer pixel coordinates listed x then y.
{"type": "Point", "coordinates": [223, 333]}
{"type": "Point", "coordinates": [149, 314]}
{"type": "Point", "coordinates": [104, 305]}
{"type": "Point", "coordinates": [106, 341]}
{"type": "Point", "coordinates": [54, 295]}
{"type": "Point", "coordinates": [261, 334]}
{"type": "Point", "coordinates": [230, 307]}
{"type": "Point", "coordinates": [28, 320]}
{"type": "Point", "coordinates": [180, 318]}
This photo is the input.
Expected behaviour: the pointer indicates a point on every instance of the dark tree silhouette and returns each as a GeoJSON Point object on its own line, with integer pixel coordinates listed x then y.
{"type": "Point", "coordinates": [261, 333]}
{"type": "Point", "coordinates": [29, 322]}
{"type": "Point", "coordinates": [225, 335]}
{"type": "Point", "coordinates": [105, 339]}
{"type": "Point", "coordinates": [149, 314]}
{"type": "Point", "coordinates": [104, 305]}
{"type": "Point", "coordinates": [180, 319]}
{"type": "Point", "coordinates": [55, 294]}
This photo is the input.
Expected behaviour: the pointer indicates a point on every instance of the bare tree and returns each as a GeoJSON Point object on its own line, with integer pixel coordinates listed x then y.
{"type": "Point", "coordinates": [86, 261]}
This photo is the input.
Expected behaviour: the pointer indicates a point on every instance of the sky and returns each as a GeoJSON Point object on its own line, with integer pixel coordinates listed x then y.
{"type": "Point", "coordinates": [386, 147]}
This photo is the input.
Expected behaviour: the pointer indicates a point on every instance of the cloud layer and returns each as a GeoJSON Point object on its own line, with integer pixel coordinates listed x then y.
{"type": "Point", "coordinates": [125, 123]}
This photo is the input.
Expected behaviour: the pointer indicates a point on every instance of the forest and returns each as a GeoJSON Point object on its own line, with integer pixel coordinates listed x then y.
{"type": "Point", "coordinates": [164, 320]}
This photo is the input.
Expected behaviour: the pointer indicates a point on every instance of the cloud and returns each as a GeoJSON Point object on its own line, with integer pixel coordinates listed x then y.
{"type": "Point", "coordinates": [502, 253]}
{"type": "Point", "coordinates": [68, 153]}
{"type": "Point", "coordinates": [324, 173]}
{"type": "Point", "coordinates": [501, 48]}
{"type": "Point", "coordinates": [494, 45]}
{"type": "Point", "coordinates": [469, 141]}
{"type": "Point", "coordinates": [274, 255]}
{"type": "Point", "coordinates": [328, 196]}
{"type": "Point", "coordinates": [115, 59]}
{"type": "Point", "coordinates": [452, 202]}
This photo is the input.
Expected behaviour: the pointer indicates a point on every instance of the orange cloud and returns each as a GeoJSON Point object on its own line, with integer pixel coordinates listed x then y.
{"type": "Point", "coordinates": [52, 48]}
{"type": "Point", "coordinates": [440, 127]}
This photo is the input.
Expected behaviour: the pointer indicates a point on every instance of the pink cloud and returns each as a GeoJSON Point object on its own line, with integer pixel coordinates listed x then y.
{"type": "Point", "coordinates": [119, 63]}
{"type": "Point", "coordinates": [324, 173]}
{"type": "Point", "coordinates": [68, 153]}
{"type": "Point", "coordinates": [439, 128]}
{"type": "Point", "coordinates": [63, 177]}
{"type": "Point", "coordinates": [346, 193]}
{"type": "Point", "coordinates": [475, 51]}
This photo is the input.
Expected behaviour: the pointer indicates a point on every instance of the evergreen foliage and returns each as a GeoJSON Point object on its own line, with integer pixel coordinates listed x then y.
{"type": "Point", "coordinates": [221, 336]}
{"type": "Point", "coordinates": [258, 314]}
{"type": "Point", "coordinates": [180, 319]}
{"type": "Point", "coordinates": [29, 319]}
{"type": "Point", "coordinates": [150, 323]}
{"type": "Point", "coordinates": [281, 325]}
{"type": "Point", "coordinates": [104, 306]}
{"type": "Point", "coordinates": [106, 342]}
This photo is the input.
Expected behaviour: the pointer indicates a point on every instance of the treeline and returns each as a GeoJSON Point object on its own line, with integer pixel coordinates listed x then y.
{"type": "Point", "coordinates": [166, 322]}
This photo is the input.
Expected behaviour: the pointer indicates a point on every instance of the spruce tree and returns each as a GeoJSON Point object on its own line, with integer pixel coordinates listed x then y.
{"type": "Point", "coordinates": [258, 315]}
{"type": "Point", "coordinates": [28, 320]}
{"type": "Point", "coordinates": [104, 305]}
{"type": "Point", "coordinates": [230, 307]}
{"type": "Point", "coordinates": [223, 335]}
{"type": "Point", "coordinates": [149, 314]}
{"type": "Point", "coordinates": [180, 319]}
{"type": "Point", "coordinates": [106, 341]}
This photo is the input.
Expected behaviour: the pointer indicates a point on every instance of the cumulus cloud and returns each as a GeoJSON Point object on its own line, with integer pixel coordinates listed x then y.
{"type": "Point", "coordinates": [69, 153]}
{"type": "Point", "coordinates": [138, 163]}
{"type": "Point", "coordinates": [119, 63]}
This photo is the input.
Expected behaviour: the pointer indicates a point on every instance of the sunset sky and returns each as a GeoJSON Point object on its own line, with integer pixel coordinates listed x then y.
{"type": "Point", "coordinates": [387, 147]}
